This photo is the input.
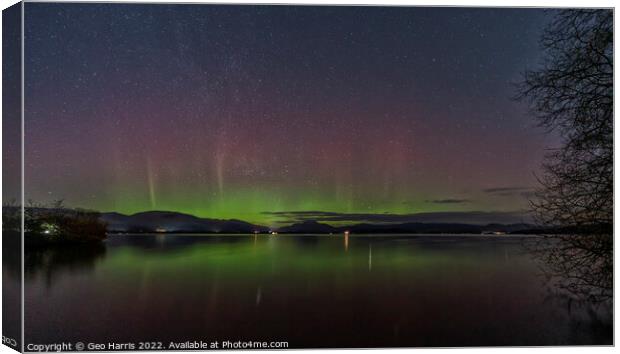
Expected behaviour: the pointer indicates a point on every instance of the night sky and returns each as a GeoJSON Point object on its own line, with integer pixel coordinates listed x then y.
{"type": "Point", "coordinates": [243, 111]}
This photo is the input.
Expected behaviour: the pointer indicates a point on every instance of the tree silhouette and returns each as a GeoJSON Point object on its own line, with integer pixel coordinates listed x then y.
{"type": "Point", "coordinates": [572, 93]}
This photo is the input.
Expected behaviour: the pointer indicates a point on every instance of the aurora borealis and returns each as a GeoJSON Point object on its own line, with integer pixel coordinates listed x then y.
{"type": "Point", "coordinates": [243, 111]}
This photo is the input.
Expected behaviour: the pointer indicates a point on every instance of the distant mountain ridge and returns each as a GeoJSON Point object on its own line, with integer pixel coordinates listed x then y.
{"type": "Point", "coordinates": [174, 222]}
{"type": "Point", "coordinates": [309, 226]}
{"type": "Point", "coordinates": [414, 228]}
{"type": "Point", "coordinates": [166, 221]}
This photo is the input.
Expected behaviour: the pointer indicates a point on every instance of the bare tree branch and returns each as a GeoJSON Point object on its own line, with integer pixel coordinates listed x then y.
{"type": "Point", "coordinates": [572, 93]}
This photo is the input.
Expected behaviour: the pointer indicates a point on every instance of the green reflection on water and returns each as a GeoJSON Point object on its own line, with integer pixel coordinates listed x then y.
{"type": "Point", "coordinates": [311, 290]}
{"type": "Point", "coordinates": [263, 254]}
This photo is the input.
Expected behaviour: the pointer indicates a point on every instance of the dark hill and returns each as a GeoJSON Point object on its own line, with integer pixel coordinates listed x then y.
{"type": "Point", "coordinates": [310, 227]}
{"type": "Point", "coordinates": [163, 221]}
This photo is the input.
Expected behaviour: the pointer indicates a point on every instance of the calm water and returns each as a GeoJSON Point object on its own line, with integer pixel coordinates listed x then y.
{"type": "Point", "coordinates": [312, 291]}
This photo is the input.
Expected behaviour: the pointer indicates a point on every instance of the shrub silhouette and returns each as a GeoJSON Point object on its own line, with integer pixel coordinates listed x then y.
{"type": "Point", "coordinates": [54, 223]}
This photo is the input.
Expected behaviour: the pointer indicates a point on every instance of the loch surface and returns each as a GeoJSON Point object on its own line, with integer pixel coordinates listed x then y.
{"type": "Point", "coordinates": [309, 290]}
